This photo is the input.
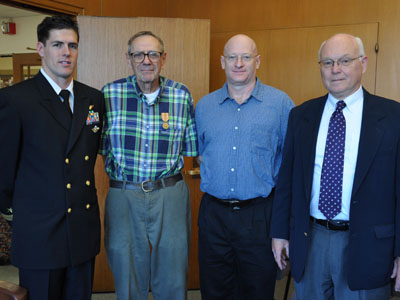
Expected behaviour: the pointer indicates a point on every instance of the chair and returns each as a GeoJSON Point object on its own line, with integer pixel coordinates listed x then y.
{"type": "Point", "coordinates": [11, 291]}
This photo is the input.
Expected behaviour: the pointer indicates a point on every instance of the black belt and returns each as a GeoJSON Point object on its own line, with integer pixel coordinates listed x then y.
{"type": "Point", "coordinates": [148, 185]}
{"type": "Point", "coordinates": [332, 224]}
{"type": "Point", "coordinates": [234, 204]}
{"type": "Point", "coordinates": [238, 204]}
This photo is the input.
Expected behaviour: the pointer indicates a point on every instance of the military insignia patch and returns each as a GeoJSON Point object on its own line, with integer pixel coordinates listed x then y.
{"type": "Point", "coordinates": [92, 118]}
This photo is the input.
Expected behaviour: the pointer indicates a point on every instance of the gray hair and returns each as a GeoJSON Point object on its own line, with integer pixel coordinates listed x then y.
{"type": "Point", "coordinates": [144, 33]}
{"type": "Point", "coordinates": [360, 44]}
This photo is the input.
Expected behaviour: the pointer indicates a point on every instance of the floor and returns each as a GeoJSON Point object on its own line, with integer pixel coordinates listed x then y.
{"type": "Point", "coordinates": [10, 273]}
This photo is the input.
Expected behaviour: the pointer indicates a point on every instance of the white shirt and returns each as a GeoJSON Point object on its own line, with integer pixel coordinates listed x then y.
{"type": "Point", "coordinates": [151, 98]}
{"type": "Point", "coordinates": [57, 89]}
{"type": "Point", "coordinates": [353, 115]}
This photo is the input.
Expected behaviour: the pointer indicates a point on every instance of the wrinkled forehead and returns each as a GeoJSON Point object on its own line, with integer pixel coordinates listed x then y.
{"type": "Point", "coordinates": [145, 43]}
{"type": "Point", "coordinates": [340, 46]}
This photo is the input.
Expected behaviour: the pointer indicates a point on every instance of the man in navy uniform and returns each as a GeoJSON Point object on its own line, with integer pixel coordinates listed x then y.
{"type": "Point", "coordinates": [50, 132]}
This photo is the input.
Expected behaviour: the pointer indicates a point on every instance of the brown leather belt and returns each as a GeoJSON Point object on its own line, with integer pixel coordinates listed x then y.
{"type": "Point", "coordinates": [332, 224]}
{"type": "Point", "coordinates": [148, 185]}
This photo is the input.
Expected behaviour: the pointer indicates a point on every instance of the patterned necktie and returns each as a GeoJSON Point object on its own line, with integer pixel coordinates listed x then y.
{"type": "Point", "coordinates": [330, 196]}
{"type": "Point", "coordinates": [65, 95]}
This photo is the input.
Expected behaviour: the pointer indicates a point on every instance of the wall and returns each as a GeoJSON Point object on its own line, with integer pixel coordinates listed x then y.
{"type": "Point", "coordinates": [235, 15]}
{"type": "Point", "coordinates": [25, 36]}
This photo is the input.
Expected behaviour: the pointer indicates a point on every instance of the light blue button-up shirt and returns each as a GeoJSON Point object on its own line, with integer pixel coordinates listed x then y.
{"type": "Point", "coordinates": [241, 145]}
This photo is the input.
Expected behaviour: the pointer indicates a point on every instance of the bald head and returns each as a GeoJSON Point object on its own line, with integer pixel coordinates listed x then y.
{"type": "Point", "coordinates": [242, 41]}
{"type": "Point", "coordinates": [344, 38]}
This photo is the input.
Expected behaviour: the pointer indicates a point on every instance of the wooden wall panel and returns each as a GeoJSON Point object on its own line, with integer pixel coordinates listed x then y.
{"type": "Point", "coordinates": [134, 8]}
{"type": "Point", "coordinates": [289, 57]}
{"type": "Point", "coordinates": [236, 16]}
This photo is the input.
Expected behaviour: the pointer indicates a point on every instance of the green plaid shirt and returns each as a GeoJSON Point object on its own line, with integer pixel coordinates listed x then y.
{"type": "Point", "coordinates": [146, 142]}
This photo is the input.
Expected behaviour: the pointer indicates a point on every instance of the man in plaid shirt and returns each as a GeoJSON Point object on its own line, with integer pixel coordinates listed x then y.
{"type": "Point", "coordinates": [149, 127]}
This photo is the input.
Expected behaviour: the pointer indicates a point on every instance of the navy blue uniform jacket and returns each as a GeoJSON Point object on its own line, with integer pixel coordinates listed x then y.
{"type": "Point", "coordinates": [47, 173]}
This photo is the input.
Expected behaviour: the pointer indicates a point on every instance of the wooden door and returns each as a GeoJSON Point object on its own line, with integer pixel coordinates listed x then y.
{"type": "Point", "coordinates": [289, 57]}
{"type": "Point", "coordinates": [102, 47]}
{"type": "Point", "coordinates": [22, 65]}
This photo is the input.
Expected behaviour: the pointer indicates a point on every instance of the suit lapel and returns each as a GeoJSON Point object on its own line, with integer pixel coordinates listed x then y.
{"type": "Point", "coordinates": [81, 109]}
{"type": "Point", "coordinates": [51, 101]}
{"type": "Point", "coordinates": [309, 128]}
{"type": "Point", "coordinates": [370, 138]}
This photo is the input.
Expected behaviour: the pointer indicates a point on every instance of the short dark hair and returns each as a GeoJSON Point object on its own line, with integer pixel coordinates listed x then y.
{"type": "Point", "coordinates": [144, 33]}
{"type": "Point", "coordinates": [55, 22]}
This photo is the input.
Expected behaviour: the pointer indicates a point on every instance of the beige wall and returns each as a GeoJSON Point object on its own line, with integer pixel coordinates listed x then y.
{"type": "Point", "coordinates": [25, 36]}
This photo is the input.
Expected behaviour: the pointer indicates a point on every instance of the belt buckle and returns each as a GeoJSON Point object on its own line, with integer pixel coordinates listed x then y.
{"type": "Point", "coordinates": [143, 188]}
{"type": "Point", "coordinates": [234, 204]}
{"type": "Point", "coordinates": [328, 226]}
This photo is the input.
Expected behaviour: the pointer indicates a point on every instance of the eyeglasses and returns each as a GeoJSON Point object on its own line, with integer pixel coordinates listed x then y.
{"type": "Point", "coordinates": [344, 62]}
{"type": "Point", "coordinates": [244, 58]}
{"type": "Point", "coordinates": [153, 56]}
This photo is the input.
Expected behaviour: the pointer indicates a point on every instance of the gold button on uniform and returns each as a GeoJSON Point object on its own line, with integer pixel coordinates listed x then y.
{"type": "Point", "coordinates": [86, 157]}
{"type": "Point", "coordinates": [69, 210]}
{"type": "Point", "coordinates": [87, 182]}
{"type": "Point", "coordinates": [67, 161]}
{"type": "Point", "coordinates": [87, 206]}
{"type": "Point", "coordinates": [69, 186]}
{"type": "Point", "coordinates": [305, 233]}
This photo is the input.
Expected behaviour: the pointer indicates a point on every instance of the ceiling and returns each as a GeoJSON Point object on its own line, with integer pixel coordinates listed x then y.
{"type": "Point", "coordinates": [12, 12]}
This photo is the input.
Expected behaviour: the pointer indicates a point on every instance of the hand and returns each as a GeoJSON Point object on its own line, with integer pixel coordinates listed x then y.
{"type": "Point", "coordinates": [396, 274]}
{"type": "Point", "coordinates": [281, 258]}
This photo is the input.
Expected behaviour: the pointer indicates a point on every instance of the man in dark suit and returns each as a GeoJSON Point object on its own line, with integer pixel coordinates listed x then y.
{"type": "Point", "coordinates": [48, 150]}
{"type": "Point", "coordinates": [337, 204]}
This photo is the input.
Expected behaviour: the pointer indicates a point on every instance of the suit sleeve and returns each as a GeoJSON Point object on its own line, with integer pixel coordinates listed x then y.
{"type": "Point", "coordinates": [10, 137]}
{"type": "Point", "coordinates": [397, 217]}
{"type": "Point", "coordinates": [283, 193]}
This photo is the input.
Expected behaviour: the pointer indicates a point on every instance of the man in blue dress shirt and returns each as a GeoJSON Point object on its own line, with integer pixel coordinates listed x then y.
{"type": "Point", "coordinates": [241, 130]}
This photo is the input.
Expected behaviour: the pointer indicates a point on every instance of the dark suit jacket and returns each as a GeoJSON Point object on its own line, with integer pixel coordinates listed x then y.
{"type": "Point", "coordinates": [374, 209]}
{"type": "Point", "coordinates": [39, 156]}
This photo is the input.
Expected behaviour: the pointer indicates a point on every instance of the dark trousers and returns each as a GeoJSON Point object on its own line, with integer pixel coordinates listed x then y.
{"type": "Point", "coordinates": [70, 283]}
{"type": "Point", "coordinates": [235, 256]}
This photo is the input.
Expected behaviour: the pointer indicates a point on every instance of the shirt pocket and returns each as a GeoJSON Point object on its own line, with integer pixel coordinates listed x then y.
{"type": "Point", "coordinates": [170, 141]}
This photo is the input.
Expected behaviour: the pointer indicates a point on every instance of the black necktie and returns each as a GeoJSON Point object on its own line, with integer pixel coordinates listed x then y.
{"type": "Point", "coordinates": [65, 95]}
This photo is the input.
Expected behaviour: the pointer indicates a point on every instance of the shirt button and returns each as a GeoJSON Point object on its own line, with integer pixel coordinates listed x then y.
{"type": "Point", "coordinates": [236, 128]}
{"type": "Point", "coordinates": [147, 145]}
{"type": "Point", "coordinates": [87, 206]}
{"type": "Point", "coordinates": [69, 186]}
{"type": "Point", "coordinates": [232, 189]}
{"type": "Point", "coordinates": [238, 109]}
{"type": "Point", "coordinates": [69, 210]}
{"type": "Point", "coordinates": [234, 148]}
{"type": "Point", "coordinates": [67, 161]}
{"type": "Point", "coordinates": [86, 157]}
{"type": "Point", "coordinates": [233, 169]}
{"type": "Point", "coordinates": [87, 183]}
{"type": "Point", "coordinates": [305, 234]}
{"type": "Point", "coordinates": [147, 126]}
